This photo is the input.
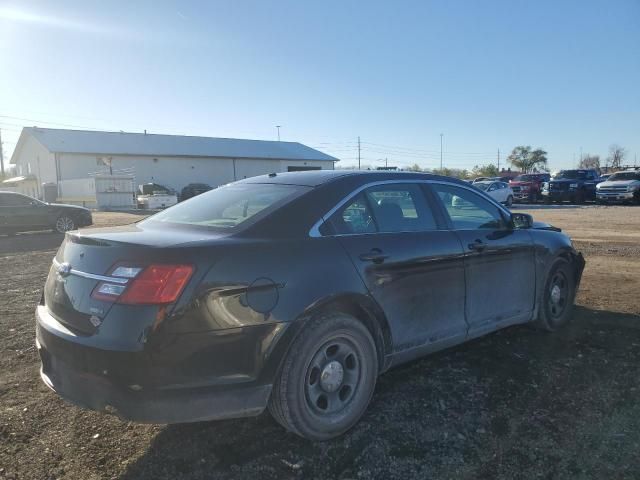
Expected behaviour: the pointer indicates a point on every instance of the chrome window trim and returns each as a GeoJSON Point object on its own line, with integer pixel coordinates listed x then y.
{"type": "Point", "coordinates": [93, 276]}
{"type": "Point", "coordinates": [314, 232]}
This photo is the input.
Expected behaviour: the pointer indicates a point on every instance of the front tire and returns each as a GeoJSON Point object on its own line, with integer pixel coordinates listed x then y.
{"type": "Point", "coordinates": [558, 298]}
{"type": "Point", "coordinates": [327, 379]}
{"type": "Point", "coordinates": [64, 223]}
{"type": "Point", "coordinates": [509, 201]}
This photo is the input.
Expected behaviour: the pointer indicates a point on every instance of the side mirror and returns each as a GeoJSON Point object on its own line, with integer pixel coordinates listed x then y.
{"type": "Point", "coordinates": [521, 221]}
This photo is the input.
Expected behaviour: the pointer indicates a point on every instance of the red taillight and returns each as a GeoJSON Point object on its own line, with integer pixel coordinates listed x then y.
{"type": "Point", "coordinates": [155, 284]}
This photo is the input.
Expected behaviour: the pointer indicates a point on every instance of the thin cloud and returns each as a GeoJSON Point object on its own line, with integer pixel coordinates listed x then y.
{"type": "Point", "coordinates": [26, 17]}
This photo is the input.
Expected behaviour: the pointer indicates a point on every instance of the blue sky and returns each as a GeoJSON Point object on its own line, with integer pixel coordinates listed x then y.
{"type": "Point", "coordinates": [489, 75]}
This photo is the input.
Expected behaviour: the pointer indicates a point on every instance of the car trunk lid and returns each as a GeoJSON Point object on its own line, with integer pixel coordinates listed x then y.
{"type": "Point", "coordinates": [87, 258]}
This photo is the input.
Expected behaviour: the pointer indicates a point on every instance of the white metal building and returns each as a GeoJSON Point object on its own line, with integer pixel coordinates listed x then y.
{"type": "Point", "coordinates": [56, 155]}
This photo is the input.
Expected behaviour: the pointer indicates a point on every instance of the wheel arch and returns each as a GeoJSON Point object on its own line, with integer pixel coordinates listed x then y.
{"type": "Point", "coordinates": [357, 305]}
{"type": "Point", "coordinates": [365, 310]}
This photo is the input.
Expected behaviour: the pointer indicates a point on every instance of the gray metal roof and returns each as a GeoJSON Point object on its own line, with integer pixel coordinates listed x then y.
{"type": "Point", "coordinates": [116, 143]}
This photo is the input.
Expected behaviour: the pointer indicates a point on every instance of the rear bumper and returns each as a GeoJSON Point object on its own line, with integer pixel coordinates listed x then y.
{"type": "Point", "coordinates": [116, 382]}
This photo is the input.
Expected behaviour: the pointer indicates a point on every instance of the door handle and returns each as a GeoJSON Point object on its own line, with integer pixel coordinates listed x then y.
{"type": "Point", "coordinates": [375, 256]}
{"type": "Point", "coordinates": [478, 245]}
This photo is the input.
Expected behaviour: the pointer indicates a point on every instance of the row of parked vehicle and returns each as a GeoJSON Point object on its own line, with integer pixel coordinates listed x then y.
{"type": "Point", "coordinates": [575, 186]}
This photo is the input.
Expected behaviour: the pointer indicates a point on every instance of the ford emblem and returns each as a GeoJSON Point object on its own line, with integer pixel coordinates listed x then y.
{"type": "Point", "coordinates": [64, 269]}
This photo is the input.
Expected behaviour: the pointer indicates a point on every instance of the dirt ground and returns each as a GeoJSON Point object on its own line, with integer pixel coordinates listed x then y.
{"type": "Point", "coordinates": [516, 404]}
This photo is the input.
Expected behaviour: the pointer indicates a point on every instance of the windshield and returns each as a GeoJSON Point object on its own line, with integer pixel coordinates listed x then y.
{"type": "Point", "coordinates": [228, 206]}
{"type": "Point", "coordinates": [571, 174]}
{"type": "Point", "coordinates": [482, 186]}
{"type": "Point", "coordinates": [624, 176]}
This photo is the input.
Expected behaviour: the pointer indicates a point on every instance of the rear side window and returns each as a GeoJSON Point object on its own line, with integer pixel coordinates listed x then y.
{"type": "Point", "coordinates": [228, 206]}
{"type": "Point", "coordinates": [385, 208]}
{"type": "Point", "coordinates": [14, 200]}
{"type": "Point", "coordinates": [400, 208]}
{"type": "Point", "coordinates": [469, 210]}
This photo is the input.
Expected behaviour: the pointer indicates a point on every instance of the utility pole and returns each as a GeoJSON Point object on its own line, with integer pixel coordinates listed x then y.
{"type": "Point", "coordinates": [386, 163]}
{"type": "Point", "coordinates": [441, 153]}
{"type": "Point", "coordinates": [580, 155]}
{"type": "Point", "coordinates": [498, 160]}
{"type": "Point", "coordinates": [278, 127]}
{"type": "Point", "coordinates": [1, 157]}
{"type": "Point", "coordinates": [358, 153]}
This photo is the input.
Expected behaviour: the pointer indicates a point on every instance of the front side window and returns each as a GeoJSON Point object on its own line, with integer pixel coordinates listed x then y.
{"type": "Point", "coordinates": [228, 206]}
{"type": "Point", "coordinates": [468, 210]}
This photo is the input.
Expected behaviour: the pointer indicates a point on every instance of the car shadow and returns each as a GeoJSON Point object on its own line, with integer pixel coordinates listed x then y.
{"type": "Point", "coordinates": [476, 411]}
{"type": "Point", "coordinates": [30, 242]}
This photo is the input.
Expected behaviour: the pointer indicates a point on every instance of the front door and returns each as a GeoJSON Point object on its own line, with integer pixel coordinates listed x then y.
{"type": "Point", "coordinates": [499, 260]}
{"type": "Point", "coordinates": [411, 265]}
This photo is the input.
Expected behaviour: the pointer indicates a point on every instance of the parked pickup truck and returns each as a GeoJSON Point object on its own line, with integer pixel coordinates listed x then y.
{"type": "Point", "coordinates": [152, 196]}
{"type": "Point", "coordinates": [528, 187]}
{"type": "Point", "coordinates": [575, 186]}
{"type": "Point", "coordinates": [620, 187]}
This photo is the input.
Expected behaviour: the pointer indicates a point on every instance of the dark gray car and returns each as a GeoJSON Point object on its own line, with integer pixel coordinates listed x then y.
{"type": "Point", "coordinates": [20, 213]}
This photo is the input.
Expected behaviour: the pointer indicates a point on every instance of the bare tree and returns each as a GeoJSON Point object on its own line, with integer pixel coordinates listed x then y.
{"type": "Point", "coordinates": [590, 161]}
{"type": "Point", "coordinates": [616, 155]}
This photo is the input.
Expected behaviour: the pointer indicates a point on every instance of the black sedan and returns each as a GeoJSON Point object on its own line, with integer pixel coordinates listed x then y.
{"type": "Point", "coordinates": [20, 213]}
{"type": "Point", "coordinates": [291, 291]}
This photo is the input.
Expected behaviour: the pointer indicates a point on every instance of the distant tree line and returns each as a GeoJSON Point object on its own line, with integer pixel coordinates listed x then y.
{"type": "Point", "coordinates": [614, 160]}
{"type": "Point", "coordinates": [525, 159]}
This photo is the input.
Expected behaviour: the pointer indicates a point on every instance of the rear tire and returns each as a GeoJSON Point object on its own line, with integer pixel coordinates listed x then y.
{"type": "Point", "coordinates": [64, 223]}
{"type": "Point", "coordinates": [558, 297]}
{"type": "Point", "coordinates": [327, 379]}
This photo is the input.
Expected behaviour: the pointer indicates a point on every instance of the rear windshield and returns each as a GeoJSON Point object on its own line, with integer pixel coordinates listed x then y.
{"type": "Point", "coordinates": [228, 206]}
{"type": "Point", "coordinates": [624, 176]}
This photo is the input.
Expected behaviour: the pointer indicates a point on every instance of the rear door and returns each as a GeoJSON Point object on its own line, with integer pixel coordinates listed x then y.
{"type": "Point", "coordinates": [411, 264]}
{"type": "Point", "coordinates": [499, 260]}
